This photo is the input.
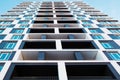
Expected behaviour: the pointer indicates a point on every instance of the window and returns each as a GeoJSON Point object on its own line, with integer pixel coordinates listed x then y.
{"type": "Point", "coordinates": [7, 45]}
{"type": "Point", "coordinates": [109, 45]}
{"type": "Point", "coordinates": [2, 36]}
{"type": "Point", "coordinates": [106, 22]}
{"type": "Point", "coordinates": [23, 22]}
{"type": "Point", "coordinates": [91, 71]}
{"type": "Point", "coordinates": [28, 16]}
{"type": "Point", "coordinates": [1, 66]}
{"type": "Point", "coordinates": [24, 26]}
{"type": "Point", "coordinates": [6, 55]}
{"type": "Point", "coordinates": [96, 30]}
{"type": "Point", "coordinates": [116, 30]}
{"type": "Point", "coordinates": [17, 30]}
{"type": "Point", "coordinates": [7, 26]}
{"type": "Point", "coordinates": [66, 25]}
{"type": "Point", "coordinates": [17, 37]}
{"type": "Point", "coordinates": [86, 22]}
{"type": "Point", "coordinates": [97, 36]}
{"type": "Point", "coordinates": [78, 45]}
{"type": "Point", "coordinates": [34, 30]}
{"type": "Point", "coordinates": [5, 22]}
{"type": "Point", "coordinates": [80, 17]}
{"type": "Point", "coordinates": [44, 71]}
{"type": "Point", "coordinates": [87, 26]}
{"type": "Point", "coordinates": [38, 45]}
{"type": "Point", "coordinates": [71, 30]}
{"type": "Point", "coordinates": [45, 25]}
{"type": "Point", "coordinates": [1, 30]}
{"type": "Point", "coordinates": [114, 36]}
{"type": "Point", "coordinates": [113, 55]}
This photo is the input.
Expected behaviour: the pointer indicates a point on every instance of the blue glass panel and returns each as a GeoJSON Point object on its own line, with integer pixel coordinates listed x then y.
{"type": "Point", "coordinates": [41, 56]}
{"type": "Point", "coordinates": [17, 31]}
{"type": "Point", "coordinates": [45, 25]}
{"type": "Point", "coordinates": [43, 36]}
{"type": "Point", "coordinates": [24, 26]}
{"type": "Point", "coordinates": [1, 30]}
{"type": "Point", "coordinates": [93, 31]}
{"type": "Point", "coordinates": [114, 56]}
{"type": "Point", "coordinates": [106, 45]}
{"type": "Point", "coordinates": [1, 67]}
{"type": "Point", "coordinates": [2, 36]}
{"type": "Point", "coordinates": [5, 56]}
{"type": "Point", "coordinates": [16, 37]}
{"type": "Point", "coordinates": [115, 36]}
{"type": "Point", "coordinates": [79, 56]}
{"type": "Point", "coordinates": [7, 45]}
{"type": "Point", "coordinates": [97, 37]}
{"type": "Point", "coordinates": [71, 36]}
{"type": "Point", "coordinates": [114, 30]}
{"type": "Point", "coordinates": [66, 25]}
{"type": "Point", "coordinates": [96, 30]}
{"type": "Point", "coordinates": [23, 22]}
{"type": "Point", "coordinates": [86, 22]}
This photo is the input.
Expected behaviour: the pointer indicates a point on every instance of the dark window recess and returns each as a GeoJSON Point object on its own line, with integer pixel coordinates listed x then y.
{"type": "Point", "coordinates": [45, 8]}
{"type": "Point", "coordinates": [37, 22]}
{"type": "Point", "coordinates": [33, 72]}
{"type": "Point", "coordinates": [63, 11]}
{"type": "Point", "coordinates": [78, 45]}
{"type": "Point", "coordinates": [64, 15]}
{"type": "Point", "coordinates": [41, 31]}
{"type": "Point", "coordinates": [85, 71]}
{"type": "Point", "coordinates": [61, 8]}
{"type": "Point", "coordinates": [73, 30]}
{"type": "Point", "coordinates": [67, 21]}
{"type": "Point", "coordinates": [44, 16]}
{"type": "Point", "coordinates": [38, 45]}
{"type": "Point", "coordinates": [45, 11]}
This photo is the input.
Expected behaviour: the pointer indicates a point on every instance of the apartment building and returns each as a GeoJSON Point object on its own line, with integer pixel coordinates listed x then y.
{"type": "Point", "coordinates": [58, 41]}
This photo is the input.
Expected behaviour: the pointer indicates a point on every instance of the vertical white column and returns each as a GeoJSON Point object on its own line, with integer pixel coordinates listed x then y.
{"type": "Point", "coordinates": [62, 71]}
{"type": "Point", "coordinates": [58, 45]}
{"type": "Point", "coordinates": [4, 70]}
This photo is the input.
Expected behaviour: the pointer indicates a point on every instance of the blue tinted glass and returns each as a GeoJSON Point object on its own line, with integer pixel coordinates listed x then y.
{"type": "Point", "coordinates": [114, 55]}
{"type": "Point", "coordinates": [16, 37]}
{"type": "Point", "coordinates": [17, 31]}
{"type": "Point", "coordinates": [86, 22]}
{"type": "Point", "coordinates": [93, 31]}
{"type": "Point", "coordinates": [1, 67]}
{"type": "Point", "coordinates": [87, 26]}
{"type": "Point", "coordinates": [115, 30]}
{"type": "Point", "coordinates": [23, 22]}
{"type": "Point", "coordinates": [2, 36]}
{"type": "Point", "coordinates": [96, 31]}
{"type": "Point", "coordinates": [7, 45]}
{"type": "Point", "coordinates": [1, 30]}
{"type": "Point", "coordinates": [24, 26]}
{"type": "Point", "coordinates": [5, 55]}
{"type": "Point", "coordinates": [106, 45]}
{"type": "Point", "coordinates": [115, 36]}
{"type": "Point", "coordinates": [97, 37]}
{"type": "Point", "coordinates": [70, 36]}
{"type": "Point", "coordinates": [5, 22]}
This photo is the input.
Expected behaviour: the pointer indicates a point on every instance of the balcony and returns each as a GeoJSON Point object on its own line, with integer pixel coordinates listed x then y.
{"type": "Point", "coordinates": [43, 71]}
{"type": "Point", "coordinates": [57, 36]}
{"type": "Point", "coordinates": [40, 30]}
{"type": "Point", "coordinates": [91, 71]}
{"type": "Point", "coordinates": [79, 45]}
{"type": "Point", "coordinates": [72, 30]}
{"type": "Point", "coordinates": [60, 55]}
{"type": "Point", "coordinates": [38, 45]}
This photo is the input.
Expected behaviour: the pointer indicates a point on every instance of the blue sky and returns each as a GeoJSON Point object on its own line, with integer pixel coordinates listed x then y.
{"type": "Point", "coordinates": [110, 7]}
